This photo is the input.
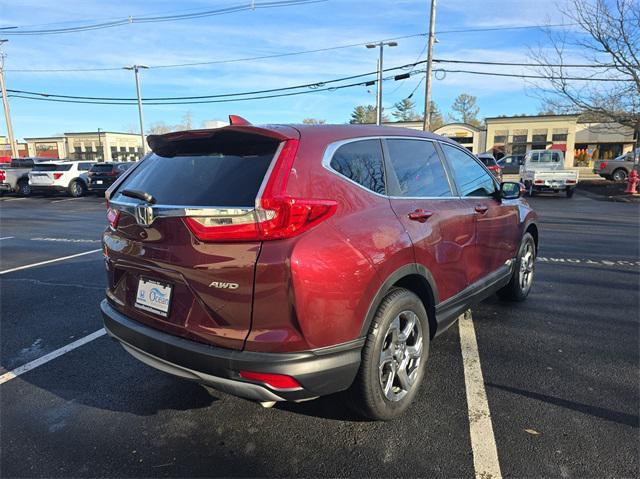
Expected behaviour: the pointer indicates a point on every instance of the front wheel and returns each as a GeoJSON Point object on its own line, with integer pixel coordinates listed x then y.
{"type": "Point", "coordinates": [522, 278]}
{"type": "Point", "coordinates": [393, 358]}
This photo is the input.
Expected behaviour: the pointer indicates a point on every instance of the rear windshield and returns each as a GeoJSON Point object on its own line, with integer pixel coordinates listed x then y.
{"type": "Point", "coordinates": [487, 161]}
{"type": "Point", "coordinates": [221, 171]}
{"type": "Point", "coordinates": [46, 167]}
{"type": "Point", "coordinates": [26, 163]}
{"type": "Point", "coordinates": [102, 168]}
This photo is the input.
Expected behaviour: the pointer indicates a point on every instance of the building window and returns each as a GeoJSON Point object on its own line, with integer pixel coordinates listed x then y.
{"type": "Point", "coordinates": [519, 149]}
{"type": "Point", "coordinates": [500, 136]}
{"type": "Point", "coordinates": [539, 136]}
{"type": "Point", "coordinates": [519, 139]}
{"type": "Point", "coordinates": [464, 140]}
{"type": "Point", "coordinates": [560, 134]}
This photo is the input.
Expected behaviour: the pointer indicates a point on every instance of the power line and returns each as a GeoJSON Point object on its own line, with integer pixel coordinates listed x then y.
{"type": "Point", "coordinates": [226, 99]}
{"type": "Point", "coordinates": [517, 27]}
{"type": "Point", "coordinates": [253, 5]}
{"type": "Point", "coordinates": [512, 64]}
{"type": "Point", "coordinates": [215, 62]}
{"type": "Point", "coordinates": [539, 77]}
{"type": "Point", "coordinates": [313, 85]}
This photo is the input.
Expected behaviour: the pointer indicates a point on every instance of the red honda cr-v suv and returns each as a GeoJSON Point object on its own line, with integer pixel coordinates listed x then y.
{"type": "Point", "coordinates": [289, 262]}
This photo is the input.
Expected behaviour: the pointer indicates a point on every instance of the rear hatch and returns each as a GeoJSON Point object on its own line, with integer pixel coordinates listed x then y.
{"type": "Point", "coordinates": [103, 175]}
{"type": "Point", "coordinates": [45, 174]}
{"type": "Point", "coordinates": [181, 247]}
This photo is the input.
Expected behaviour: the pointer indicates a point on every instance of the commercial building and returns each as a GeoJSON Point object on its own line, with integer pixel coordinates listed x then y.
{"type": "Point", "coordinates": [91, 146]}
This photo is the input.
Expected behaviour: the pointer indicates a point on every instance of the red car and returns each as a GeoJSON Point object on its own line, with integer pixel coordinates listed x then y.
{"type": "Point", "coordinates": [285, 262]}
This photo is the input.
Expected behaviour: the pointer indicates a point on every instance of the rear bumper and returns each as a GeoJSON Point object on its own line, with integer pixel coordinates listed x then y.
{"type": "Point", "coordinates": [319, 372]}
{"type": "Point", "coordinates": [36, 188]}
{"type": "Point", "coordinates": [5, 187]}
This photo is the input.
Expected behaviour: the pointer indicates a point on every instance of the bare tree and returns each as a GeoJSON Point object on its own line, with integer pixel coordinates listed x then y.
{"type": "Point", "coordinates": [466, 108]}
{"type": "Point", "coordinates": [609, 37]}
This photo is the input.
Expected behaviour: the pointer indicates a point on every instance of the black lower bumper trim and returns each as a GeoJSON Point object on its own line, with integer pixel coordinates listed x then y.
{"type": "Point", "coordinates": [320, 372]}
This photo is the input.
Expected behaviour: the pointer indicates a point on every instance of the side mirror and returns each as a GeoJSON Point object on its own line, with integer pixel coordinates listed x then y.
{"type": "Point", "coordinates": [510, 190]}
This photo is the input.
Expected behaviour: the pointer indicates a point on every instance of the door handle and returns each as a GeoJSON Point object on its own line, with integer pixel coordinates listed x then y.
{"type": "Point", "coordinates": [481, 209]}
{"type": "Point", "coordinates": [420, 215]}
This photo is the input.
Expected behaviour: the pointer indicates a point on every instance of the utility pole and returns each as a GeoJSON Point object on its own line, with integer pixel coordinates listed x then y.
{"type": "Point", "coordinates": [427, 93]}
{"type": "Point", "coordinates": [100, 146]}
{"type": "Point", "coordinates": [380, 45]}
{"type": "Point", "coordinates": [5, 104]}
{"type": "Point", "coordinates": [136, 68]}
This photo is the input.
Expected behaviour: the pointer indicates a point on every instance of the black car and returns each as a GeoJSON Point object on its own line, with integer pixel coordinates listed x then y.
{"type": "Point", "coordinates": [511, 164]}
{"type": "Point", "coordinates": [102, 175]}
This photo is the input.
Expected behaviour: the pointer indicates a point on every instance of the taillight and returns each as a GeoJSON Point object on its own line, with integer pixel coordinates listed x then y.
{"type": "Point", "coordinates": [113, 216]}
{"type": "Point", "coordinates": [3, 175]}
{"type": "Point", "coordinates": [571, 182]}
{"type": "Point", "coordinates": [277, 215]}
{"type": "Point", "coordinates": [275, 381]}
{"type": "Point", "coordinates": [538, 182]}
{"type": "Point", "coordinates": [603, 164]}
{"type": "Point", "coordinates": [57, 176]}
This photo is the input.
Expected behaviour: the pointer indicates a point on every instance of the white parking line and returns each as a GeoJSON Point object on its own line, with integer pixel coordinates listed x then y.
{"type": "Point", "coordinates": [6, 237]}
{"type": "Point", "coordinates": [15, 199]}
{"type": "Point", "coordinates": [48, 261]}
{"type": "Point", "coordinates": [67, 199]}
{"type": "Point", "coordinates": [48, 357]}
{"type": "Point", "coordinates": [483, 443]}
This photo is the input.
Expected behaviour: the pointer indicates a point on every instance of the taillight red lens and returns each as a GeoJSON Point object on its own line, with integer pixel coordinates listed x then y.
{"type": "Point", "coordinates": [57, 176]}
{"type": "Point", "coordinates": [603, 164]}
{"type": "Point", "coordinates": [275, 381]}
{"type": "Point", "coordinates": [113, 216]}
{"type": "Point", "coordinates": [277, 215]}
{"type": "Point", "coordinates": [3, 175]}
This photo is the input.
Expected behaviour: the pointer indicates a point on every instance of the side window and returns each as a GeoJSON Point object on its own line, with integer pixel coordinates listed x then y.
{"type": "Point", "coordinates": [84, 166]}
{"type": "Point", "coordinates": [471, 178]}
{"type": "Point", "coordinates": [415, 170]}
{"type": "Point", "coordinates": [361, 161]}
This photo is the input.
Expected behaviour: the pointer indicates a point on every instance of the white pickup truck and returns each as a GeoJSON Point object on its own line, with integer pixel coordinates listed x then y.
{"type": "Point", "coordinates": [543, 171]}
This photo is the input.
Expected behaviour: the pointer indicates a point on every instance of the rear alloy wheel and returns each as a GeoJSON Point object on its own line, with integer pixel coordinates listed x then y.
{"type": "Point", "coordinates": [393, 358]}
{"type": "Point", "coordinates": [519, 286]}
{"type": "Point", "coordinates": [619, 175]}
{"type": "Point", "coordinates": [24, 189]}
{"type": "Point", "coordinates": [76, 189]}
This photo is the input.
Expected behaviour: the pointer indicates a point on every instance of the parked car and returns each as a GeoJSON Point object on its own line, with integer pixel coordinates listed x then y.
{"type": "Point", "coordinates": [60, 176]}
{"type": "Point", "coordinates": [14, 178]}
{"type": "Point", "coordinates": [619, 168]}
{"type": "Point", "coordinates": [102, 175]}
{"type": "Point", "coordinates": [510, 164]}
{"type": "Point", "coordinates": [286, 263]}
{"type": "Point", "coordinates": [543, 171]}
{"type": "Point", "coordinates": [490, 162]}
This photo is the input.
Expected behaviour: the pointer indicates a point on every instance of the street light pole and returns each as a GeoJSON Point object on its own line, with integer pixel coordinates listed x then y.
{"type": "Point", "coordinates": [427, 94]}
{"type": "Point", "coordinates": [136, 68]}
{"type": "Point", "coordinates": [381, 46]}
{"type": "Point", "coordinates": [5, 104]}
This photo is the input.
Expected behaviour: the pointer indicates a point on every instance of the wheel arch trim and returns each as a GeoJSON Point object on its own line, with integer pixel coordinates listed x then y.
{"type": "Point", "coordinates": [410, 269]}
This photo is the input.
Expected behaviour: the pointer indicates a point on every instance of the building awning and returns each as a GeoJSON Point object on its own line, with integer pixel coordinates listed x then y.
{"type": "Point", "coordinates": [559, 146]}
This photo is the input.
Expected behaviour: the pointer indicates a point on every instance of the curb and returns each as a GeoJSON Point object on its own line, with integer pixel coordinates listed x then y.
{"type": "Point", "coordinates": [617, 199]}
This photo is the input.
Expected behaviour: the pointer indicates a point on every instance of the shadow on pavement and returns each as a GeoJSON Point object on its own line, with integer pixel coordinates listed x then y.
{"type": "Point", "coordinates": [603, 413]}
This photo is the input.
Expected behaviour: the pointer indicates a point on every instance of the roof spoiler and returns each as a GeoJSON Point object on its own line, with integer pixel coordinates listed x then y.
{"type": "Point", "coordinates": [238, 120]}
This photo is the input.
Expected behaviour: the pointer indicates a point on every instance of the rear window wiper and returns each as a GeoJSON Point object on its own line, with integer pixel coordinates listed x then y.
{"type": "Point", "coordinates": [141, 195]}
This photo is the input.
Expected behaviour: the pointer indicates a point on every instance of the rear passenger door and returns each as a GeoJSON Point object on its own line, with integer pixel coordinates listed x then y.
{"type": "Point", "coordinates": [496, 221]}
{"type": "Point", "coordinates": [423, 199]}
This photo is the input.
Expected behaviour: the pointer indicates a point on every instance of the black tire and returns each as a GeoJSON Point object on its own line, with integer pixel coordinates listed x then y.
{"type": "Point", "coordinates": [77, 188]}
{"type": "Point", "coordinates": [23, 188]}
{"type": "Point", "coordinates": [619, 175]}
{"type": "Point", "coordinates": [569, 192]}
{"type": "Point", "coordinates": [366, 396]}
{"type": "Point", "coordinates": [516, 290]}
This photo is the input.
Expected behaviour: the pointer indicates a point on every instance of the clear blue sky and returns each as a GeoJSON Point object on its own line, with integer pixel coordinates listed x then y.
{"type": "Point", "coordinates": [251, 33]}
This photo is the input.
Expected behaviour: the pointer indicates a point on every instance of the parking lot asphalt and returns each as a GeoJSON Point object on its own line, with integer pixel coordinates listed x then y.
{"type": "Point", "coordinates": [561, 372]}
